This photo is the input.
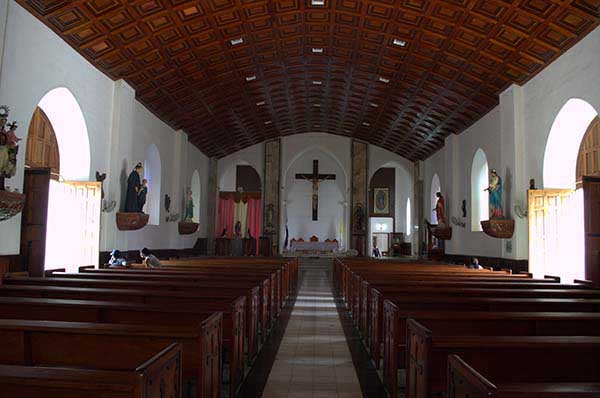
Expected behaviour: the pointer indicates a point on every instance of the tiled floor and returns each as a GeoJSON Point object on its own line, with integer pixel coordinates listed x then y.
{"type": "Point", "coordinates": [313, 359]}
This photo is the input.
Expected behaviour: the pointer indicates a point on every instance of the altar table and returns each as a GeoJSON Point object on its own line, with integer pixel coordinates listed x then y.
{"type": "Point", "coordinates": [314, 246]}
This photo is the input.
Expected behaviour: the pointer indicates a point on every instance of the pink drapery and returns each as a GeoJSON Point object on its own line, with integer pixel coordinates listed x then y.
{"type": "Point", "coordinates": [225, 220]}
{"type": "Point", "coordinates": [254, 218]}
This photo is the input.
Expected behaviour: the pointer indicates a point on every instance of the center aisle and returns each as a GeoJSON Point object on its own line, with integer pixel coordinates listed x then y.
{"type": "Point", "coordinates": [313, 359]}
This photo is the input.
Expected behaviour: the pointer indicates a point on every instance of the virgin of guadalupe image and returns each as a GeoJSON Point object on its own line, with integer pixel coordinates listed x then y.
{"type": "Point", "coordinates": [380, 200]}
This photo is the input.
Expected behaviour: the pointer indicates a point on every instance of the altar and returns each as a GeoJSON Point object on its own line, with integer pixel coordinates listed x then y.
{"type": "Point", "coordinates": [315, 247]}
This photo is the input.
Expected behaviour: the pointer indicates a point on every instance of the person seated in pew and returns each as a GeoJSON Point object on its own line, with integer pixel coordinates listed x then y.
{"type": "Point", "coordinates": [148, 259]}
{"type": "Point", "coordinates": [117, 259]}
{"type": "Point", "coordinates": [475, 264]}
{"type": "Point", "coordinates": [376, 252]}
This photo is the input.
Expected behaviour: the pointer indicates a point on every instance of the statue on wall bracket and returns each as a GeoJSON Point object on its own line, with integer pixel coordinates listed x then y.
{"type": "Point", "coordinates": [11, 203]}
{"type": "Point", "coordinates": [441, 230]}
{"type": "Point", "coordinates": [132, 218]}
{"type": "Point", "coordinates": [497, 226]}
{"type": "Point", "coordinates": [188, 226]}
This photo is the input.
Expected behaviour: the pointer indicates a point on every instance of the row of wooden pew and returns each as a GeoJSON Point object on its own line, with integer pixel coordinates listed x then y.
{"type": "Point", "coordinates": [191, 328]}
{"type": "Point", "coordinates": [445, 330]}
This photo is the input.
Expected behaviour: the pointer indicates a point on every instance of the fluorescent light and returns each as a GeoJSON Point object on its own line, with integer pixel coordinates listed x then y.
{"type": "Point", "coordinates": [374, 105]}
{"type": "Point", "coordinates": [366, 124]}
{"type": "Point", "coordinates": [383, 79]}
{"type": "Point", "coordinates": [268, 122]}
{"type": "Point", "coordinates": [317, 105]}
{"type": "Point", "coordinates": [398, 42]}
{"type": "Point", "coordinates": [317, 50]}
{"type": "Point", "coordinates": [239, 40]}
{"type": "Point", "coordinates": [260, 103]}
{"type": "Point", "coordinates": [317, 2]}
{"type": "Point", "coordinates": [317, 82]}
{"type": "Point", "coordinates": [250, 78]}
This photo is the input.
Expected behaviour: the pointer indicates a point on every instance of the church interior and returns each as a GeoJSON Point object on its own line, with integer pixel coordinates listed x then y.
{"type": "Point", "coordinates": [299, 198]}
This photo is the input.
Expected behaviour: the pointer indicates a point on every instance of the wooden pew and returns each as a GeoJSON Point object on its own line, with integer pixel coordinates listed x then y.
{"type": "Point", "coordinates": [116, 347]}
{"type": "Point", "coordinates": [157, 377]}
{"type": "Point", "coordinates": [506, 358]}
{"type": "Point", "coordinates": [476, 323]}
{"type": "Point", "coordinates": [257, 309]}
{"type": "Point", "coordinates": [133, 313]}
{"type": "Point", "coordinates": [466, 382]}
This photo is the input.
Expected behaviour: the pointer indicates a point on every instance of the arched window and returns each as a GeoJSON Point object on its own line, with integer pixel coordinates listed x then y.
{"type": "Point", "coordinates": [408, 217]}
{"type": "Point", "coordinates": [153, 173]}
{"type": "Point", "coordinates": [196, 192]}
{"type": "Point", "coordinates": [479, 196]}
{"type": "Point", "coordinates": [435, 188]}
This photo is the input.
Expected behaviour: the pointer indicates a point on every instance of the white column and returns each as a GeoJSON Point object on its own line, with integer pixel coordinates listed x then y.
{"type": "Point", "coordinates": [121, 150]}
{"type": "Point", "coordinates": [512, 160]}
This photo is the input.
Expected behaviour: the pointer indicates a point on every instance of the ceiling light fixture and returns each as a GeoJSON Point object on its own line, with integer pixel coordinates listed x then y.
{"type": "Point", "coordinates": [317, 2]}
{"type": "Point", "coordinates": [250, 78]}
{"type": "Point", "coordinates": [400, 43]}
{"type": "Point", "coordinates": [383, 79]}
{"type": "Point", "coordinates": [260, 103]}
{"type": "Point", "coordinates": [317, 82]}
{"type": "Point", "coordinates": [237, 41]}
{"type": "Point", "coordinates": [317, 50]}
{"type": "Point", "coordinates": [317, 105]}
{"type": "Point", "coordinates": [366, 124]}
{"type": "Point", "coordinates": [374, 105]}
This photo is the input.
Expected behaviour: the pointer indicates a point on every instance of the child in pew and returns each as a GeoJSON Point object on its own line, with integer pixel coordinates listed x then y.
{"type": "Point", "coordinates": [148, 259]}
{"type": "Point", "coordinates": [117, 259]}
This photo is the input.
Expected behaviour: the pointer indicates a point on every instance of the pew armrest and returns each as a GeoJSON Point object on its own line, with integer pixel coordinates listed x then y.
{"type": "Point", "coordinates": [49, 272]}
{"type": "Point", "coordinates": [464, 381]}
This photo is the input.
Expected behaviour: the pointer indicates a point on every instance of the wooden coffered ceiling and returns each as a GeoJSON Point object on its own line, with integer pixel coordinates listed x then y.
{"type": "Point", "coordinates": [333, 68]}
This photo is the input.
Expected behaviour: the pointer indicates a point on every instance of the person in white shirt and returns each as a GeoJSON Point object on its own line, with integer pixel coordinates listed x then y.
{"type": "Point", "coordinates": [149, 259]}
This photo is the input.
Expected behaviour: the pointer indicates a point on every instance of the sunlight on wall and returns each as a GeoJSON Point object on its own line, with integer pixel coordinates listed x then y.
{"type": "Point", "coordinates": [436, 187]}
{"type": "Point", "coordinates": [153, 173]}
{"type": "Point", "coordinates": [408, 217]}
{"type": "Point", "coordinates": [479, 197]}
{"type": "Point", "coordinates": [562, 148]}
{"type": "Point", "coordinates": [66, 118]}
{"type": "Point", "coordinates": [196, 194]}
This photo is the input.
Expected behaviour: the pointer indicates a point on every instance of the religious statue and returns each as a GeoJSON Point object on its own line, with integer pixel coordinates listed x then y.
{"type": "Point", "coordinates": [8, 147]}
{"type": "Point", "coordinates": [495, 190]}
{"type": "Point", "coordinates": [315, 178]}
{"type": "Point", "coordinates": [133, 188]}
{"type": "Point", "coordinates": [463, 208]}
{"type": "Point", "coordinates": [167, 203]}
{"type": "Point", "coordinates": [270, 217]}
{"type": "Point", "coordinates": [238, 229]}
{"type": "Point", "coordinates": [188, 214]}
{"type": "Point", "coordinates": [359, 217]}
{"type": "Point", "coordinates": [143, 192]}
{"type": "Point", "coordinates": [440, 210]}
{"type": "Point", "coordinates": [100, 178]}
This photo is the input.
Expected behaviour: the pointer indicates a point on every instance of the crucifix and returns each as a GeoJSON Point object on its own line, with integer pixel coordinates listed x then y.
{"type": "Point", "coordinates": [315, 178]}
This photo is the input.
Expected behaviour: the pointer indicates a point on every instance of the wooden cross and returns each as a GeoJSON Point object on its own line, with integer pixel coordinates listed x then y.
{"type": "Point", "coordinates": [315, 178]}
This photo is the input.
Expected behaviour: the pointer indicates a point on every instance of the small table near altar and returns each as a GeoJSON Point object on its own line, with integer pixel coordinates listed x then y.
{"type": "Point", "coordinates": [328, 247]}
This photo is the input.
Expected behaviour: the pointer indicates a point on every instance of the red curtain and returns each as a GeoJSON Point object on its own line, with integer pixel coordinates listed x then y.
{"type": "Point", "coordinates": [254, 217]}
{"type": "Point", "coordinates": [226, 206]}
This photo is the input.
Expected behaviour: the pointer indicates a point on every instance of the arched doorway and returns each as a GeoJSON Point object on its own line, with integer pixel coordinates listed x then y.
{"type": "Point", "coordinates": [557, 242]}
{"type": "Point", "coordinates": [62, 209]}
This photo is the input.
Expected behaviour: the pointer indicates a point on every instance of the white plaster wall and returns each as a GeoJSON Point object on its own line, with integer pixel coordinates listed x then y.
{"type": "Point", "coordinates": [455, 179]}
{"type": "Point", "coordinates": [251, 156]}
{"type": "Point", "coordinates": [521, 125]}
{"type": "Point", "coordinates": [36, 61]}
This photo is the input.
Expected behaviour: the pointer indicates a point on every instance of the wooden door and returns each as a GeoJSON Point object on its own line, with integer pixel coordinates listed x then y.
{"type": "Point", "coordinates": [591, 211]}
{"type": "Point", "coordinates": [33, 223]}
{"type": "Point", "coordinates": [42, 147]}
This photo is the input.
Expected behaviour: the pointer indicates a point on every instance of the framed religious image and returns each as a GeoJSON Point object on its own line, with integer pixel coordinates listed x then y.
{"type": "Point", "coordinates": [381, 200]}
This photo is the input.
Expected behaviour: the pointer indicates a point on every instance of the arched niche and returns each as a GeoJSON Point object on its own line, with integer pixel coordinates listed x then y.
{"type": "Point", "coordinates": [436, 187]}
{"type": "Point", "coordinates": [332, 217]}
{"type": "Point", "coordinates": [479, 196]}
{"type": "Point", "coordinates": [564, 141]}
{"type": "Point", "coordinates": [153, 173]}
{"type": "Point", "coordinates": [196, 189]}
{"type": "Point", "coordinates": [64, 114]}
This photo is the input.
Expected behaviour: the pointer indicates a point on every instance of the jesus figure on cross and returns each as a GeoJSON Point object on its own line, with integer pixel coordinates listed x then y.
{"type": "Point", "coordinates": [315, 178]}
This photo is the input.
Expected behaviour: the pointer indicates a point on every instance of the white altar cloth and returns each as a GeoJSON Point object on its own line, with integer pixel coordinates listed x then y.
{"type": "Point", "coordinates": [314, 246]}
